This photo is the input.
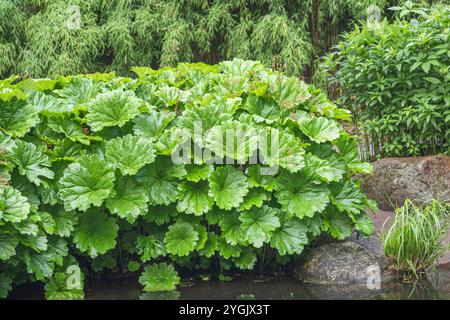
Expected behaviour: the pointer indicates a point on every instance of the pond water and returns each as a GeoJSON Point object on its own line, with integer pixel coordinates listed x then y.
{"type": "Point", "coordinates": [245, 288]}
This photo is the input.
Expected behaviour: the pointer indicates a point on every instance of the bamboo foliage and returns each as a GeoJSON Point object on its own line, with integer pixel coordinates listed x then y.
{"type": "Point", "coordinates": [117, 34]}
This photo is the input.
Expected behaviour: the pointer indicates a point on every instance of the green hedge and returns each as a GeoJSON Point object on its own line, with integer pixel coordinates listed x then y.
{"type": "Point", "coordinates": [113, 173]}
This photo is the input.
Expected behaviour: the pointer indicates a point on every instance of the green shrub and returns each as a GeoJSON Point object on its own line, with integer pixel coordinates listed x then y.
{"type": "Point", "coordinates": [414, 241]}
{"type": "Point", "coordinates": [395, 78]}
{"type": "Point", "coordinates": [109, 171]}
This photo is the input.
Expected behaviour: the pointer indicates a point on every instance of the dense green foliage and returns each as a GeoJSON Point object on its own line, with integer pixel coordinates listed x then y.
{"type": "Point", "coordinates": [395, 78]}
{"type": "Point", "coordinates": [88, 174]}
{"type": "Point", "coordinates": [42, 38]}
{"type": "Point", "coordinates": [416, 238]}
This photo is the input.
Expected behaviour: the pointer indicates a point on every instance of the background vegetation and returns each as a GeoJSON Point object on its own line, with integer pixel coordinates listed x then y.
{"type": "Point", "coordinates": [118, 34]}
{"type": "Point", "coordinates": [395, 78]}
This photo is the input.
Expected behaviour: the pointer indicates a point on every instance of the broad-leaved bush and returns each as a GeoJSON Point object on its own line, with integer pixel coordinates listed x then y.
{"type": "Point", "coordinates": [172, 169]}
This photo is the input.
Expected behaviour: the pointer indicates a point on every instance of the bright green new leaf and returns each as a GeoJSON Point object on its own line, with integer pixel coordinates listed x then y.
{"type": "Point", "coordinates": [258, 225]}
{"type": "Point", "coordinates": [129, 201]}
{"type": "Point", "coordinates": [129, 153]}
{"type": "Point", "coordinates": [13, 206]}
{"type": "Point", "coordinates": [8, 244]}
{"type": "Point", "coordinates": [88, 181]}
{"type": "Point", "coordinates": [228, 187]}
{"type": "Point", "coordinates": [280, 148]}
{"type": "Point", "coordinates": [318, 129]}
{"type": "Point", "coordinates": [113, 108]}
{"type": "Point", "coordinates": [300, 194]}
{"type": "Point", "coordinates": [161, 180]}
{"type": "Point", "coordinates": [152, 126]}
{"type": "Point", "coordinates": [181, 239]}
{"type": "Point", "coordinates": [17, 117]}
{"type": "Point", "coordinates": [194, 198]}
{"type": "Point", "coordinates": [31, 162]}
{"type": "Point", "coordinates": [290, 238]}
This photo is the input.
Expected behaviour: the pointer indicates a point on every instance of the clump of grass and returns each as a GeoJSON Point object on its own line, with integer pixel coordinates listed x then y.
{"type": "Point", "coordinates": [415, 240]}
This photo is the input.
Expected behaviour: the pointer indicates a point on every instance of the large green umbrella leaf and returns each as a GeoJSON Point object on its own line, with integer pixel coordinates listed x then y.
{"type": "Point", "coordinates": [8, 244]}
{"type": "Point", "coordinates": [281, 149]}
{"type": "Point", "coordinates": [160, 214]}
{"type": "Point", "coordinates": [230, 227]}
{"type": "Point", "coordinates": [159, 277]}
{"type": "Point", "coordinates": [364, 224]}
{"type": "Point", "coordinates": [255, 197]}
{"type": "Point", "coordinates": [113, 108]}
{"type": "Point", "coordinates": [96, 233]}
{"type": "Point", "coordinates": [17, 117]}
{"type": "Point", "coordinates": [300, 194]}
{"type": "Point", "coordinates": [78, 92]}
{"type": "Point", "coordinates": [347, 147]}
{"type": "Point", "coordinates": [13, 206]}
{"type": "Point", "coordinates": [65, 222]}
{"type": "Point", "coordinates": [129, 200]}
{"type": "Point", "coordinates": [152, 126]}
{"type": "Point", "coordinates": [232, 139]}
{"type": "Point", "coordinates": [318, 129]}
{"type": "Point", "coordinates": [161, 180]}
{"type": "Point", "coordinates": [261, 177]}
{"type": "Point", "coordinates": [200, 119]}
{"type": "Point", "coordinates": [264, 109]}
{"type": "Point", "coordinates": [258, 225]}
{"type": "Point", "coordinates": [62, 123]}
{"type": "Point", "coordinates": [89, 181]}
{"type": "Point", "coordinates": [31, 162]}
{"type": "Point", "coordinates": [338, 224]}
{"type": "Point", "coordinates": [290, 238]}
{"type": "Point", "coordinates": [181, 239]}
{"type": "Point", "coordinates": [196, 172]}
{"type": "Point", "coordinates": [327, 170]}
{"type": "Point", "coordinates": [289, 92]}
{"type": "Point", "coordinates": [347, 197]}
{"type": "Point", "coordinates": [129, 153]}
{"type": "Point", "coordinates": [194, 198]}
{"type": "Point", "coordinates": [228, 186]}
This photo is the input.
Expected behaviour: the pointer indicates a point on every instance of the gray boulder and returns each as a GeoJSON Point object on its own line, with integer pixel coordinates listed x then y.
{"type": "Point", "coordinates": [342, 263]}
{"type": "Point", "coordinates": [419, 178]}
